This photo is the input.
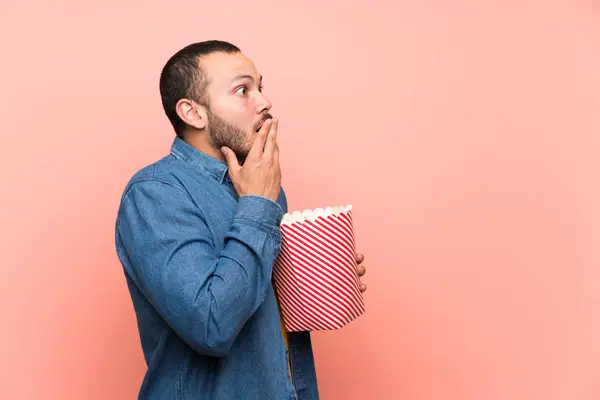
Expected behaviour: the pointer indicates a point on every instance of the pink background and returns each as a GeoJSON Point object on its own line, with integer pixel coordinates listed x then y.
{"type": "Point", "coordinates": [466, 134]}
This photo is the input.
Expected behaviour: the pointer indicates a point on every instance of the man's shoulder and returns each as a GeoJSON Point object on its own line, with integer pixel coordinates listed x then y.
{"type": "Point", "coordinates": [165, 172]}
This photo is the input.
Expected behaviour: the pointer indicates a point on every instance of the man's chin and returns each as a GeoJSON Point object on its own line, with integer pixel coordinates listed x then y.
{"type": "Point", "coordinates": [241, 156]}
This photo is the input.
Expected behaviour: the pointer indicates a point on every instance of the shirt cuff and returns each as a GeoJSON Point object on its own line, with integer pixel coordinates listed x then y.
{"type": "Point", "coordinates": [261, 212]}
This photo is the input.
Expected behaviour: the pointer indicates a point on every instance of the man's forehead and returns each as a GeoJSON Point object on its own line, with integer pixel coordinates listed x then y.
{"type": "Point", "coordinates": [225, 67]}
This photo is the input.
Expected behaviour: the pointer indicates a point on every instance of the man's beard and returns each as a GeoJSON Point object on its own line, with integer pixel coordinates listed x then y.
{"type": "Point", "coordinates": [222, 133]}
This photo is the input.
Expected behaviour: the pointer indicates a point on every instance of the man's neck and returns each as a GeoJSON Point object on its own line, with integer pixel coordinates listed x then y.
{"type": "Point", "coordinates": [201, 142]}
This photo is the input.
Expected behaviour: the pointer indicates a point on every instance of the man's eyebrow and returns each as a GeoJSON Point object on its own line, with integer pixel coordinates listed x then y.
{"type": "Point", "coordinates": [246, 76]}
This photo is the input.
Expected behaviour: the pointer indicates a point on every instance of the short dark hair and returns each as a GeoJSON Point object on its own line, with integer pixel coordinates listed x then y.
{"type": "Point", "coordinates": [182, 77]}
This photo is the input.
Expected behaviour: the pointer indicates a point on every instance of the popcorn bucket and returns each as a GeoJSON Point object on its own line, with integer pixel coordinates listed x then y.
{"type": "Point", "coordinates": [315, 272]}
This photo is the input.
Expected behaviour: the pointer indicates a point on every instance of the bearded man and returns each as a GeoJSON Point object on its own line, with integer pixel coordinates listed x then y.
{"type": "Point", "coordinates": [197, 233]}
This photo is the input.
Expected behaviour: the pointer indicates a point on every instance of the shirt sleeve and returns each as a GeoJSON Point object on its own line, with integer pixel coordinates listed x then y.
{"type": "Point", "coordinates": [205, 295]}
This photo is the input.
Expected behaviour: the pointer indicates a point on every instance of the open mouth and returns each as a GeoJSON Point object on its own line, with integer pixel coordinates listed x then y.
{"type": "Point", "coordinates": [265, 118]}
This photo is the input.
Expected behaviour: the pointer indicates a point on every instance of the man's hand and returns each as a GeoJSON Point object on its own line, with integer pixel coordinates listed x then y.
{"type": "Point", "coordinates": [261, 174]}
{"type": "Point", "coordinates": [361, 270]}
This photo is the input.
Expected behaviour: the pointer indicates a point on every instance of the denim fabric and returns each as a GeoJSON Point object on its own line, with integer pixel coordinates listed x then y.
{"type": "Point", "coordinates": [198, 262]}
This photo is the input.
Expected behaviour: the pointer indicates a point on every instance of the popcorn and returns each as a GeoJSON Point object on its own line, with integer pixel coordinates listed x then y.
{"type": "Point", "coordinates": [315, 274]}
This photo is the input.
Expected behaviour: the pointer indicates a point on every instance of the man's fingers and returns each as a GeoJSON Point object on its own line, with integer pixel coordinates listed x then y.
{"type": "Point", "coordinates": [259, 142]}
{"type": "Point", "coordinates": [363, 287]}
{"type": "Point", "coordinates": [361, 271]}
{"type": "Point", "coordinates": [360, 258]}
{"type": "Point", "coordinates": [271, 139]}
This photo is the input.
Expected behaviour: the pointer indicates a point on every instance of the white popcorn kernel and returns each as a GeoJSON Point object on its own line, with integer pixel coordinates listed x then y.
{"type": "Point", "coordinates": [311, 215]}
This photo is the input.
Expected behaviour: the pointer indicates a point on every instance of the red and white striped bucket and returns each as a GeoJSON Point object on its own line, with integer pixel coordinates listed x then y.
{"type": "Point", "coordinates": [315, 273]}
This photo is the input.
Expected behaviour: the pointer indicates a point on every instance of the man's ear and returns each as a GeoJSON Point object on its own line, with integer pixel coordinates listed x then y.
{"type": "Point", "coordinates": [191, 113]}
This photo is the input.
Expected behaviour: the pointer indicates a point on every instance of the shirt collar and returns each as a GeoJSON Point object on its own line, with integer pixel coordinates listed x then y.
{"type": "Point", "coordinates": [184, 151]}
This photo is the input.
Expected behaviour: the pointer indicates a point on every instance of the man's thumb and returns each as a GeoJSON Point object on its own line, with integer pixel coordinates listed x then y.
{"type": "Point", "coordinates": [232, 161]}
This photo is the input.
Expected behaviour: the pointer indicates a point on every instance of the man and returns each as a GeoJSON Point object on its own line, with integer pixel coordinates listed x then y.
{"type": "Point", "coordinates": [197, 233]}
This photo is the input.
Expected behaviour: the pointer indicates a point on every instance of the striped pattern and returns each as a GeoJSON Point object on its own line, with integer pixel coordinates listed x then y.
{"type": "Point", "coordinates": [315, 274]}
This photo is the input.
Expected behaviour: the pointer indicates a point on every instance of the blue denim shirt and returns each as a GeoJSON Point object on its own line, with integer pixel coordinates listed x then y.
{"type": "Point", "coordinates": [198, 262]}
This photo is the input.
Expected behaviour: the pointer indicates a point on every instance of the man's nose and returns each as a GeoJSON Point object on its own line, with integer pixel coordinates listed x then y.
{"type": "Point", "coordinates": [264, 105]}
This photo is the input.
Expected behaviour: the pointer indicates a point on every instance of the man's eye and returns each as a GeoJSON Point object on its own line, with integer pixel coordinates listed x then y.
{"type": "Point", "coordinates": [241, 90]}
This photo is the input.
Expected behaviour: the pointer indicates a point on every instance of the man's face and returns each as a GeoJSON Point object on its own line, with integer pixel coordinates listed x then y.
{"type": "Point", "coordinates": [237, 107]}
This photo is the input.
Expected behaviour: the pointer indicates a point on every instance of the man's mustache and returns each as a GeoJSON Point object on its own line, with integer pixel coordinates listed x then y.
{"type": "Point", "coordinates": [263, 118]}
